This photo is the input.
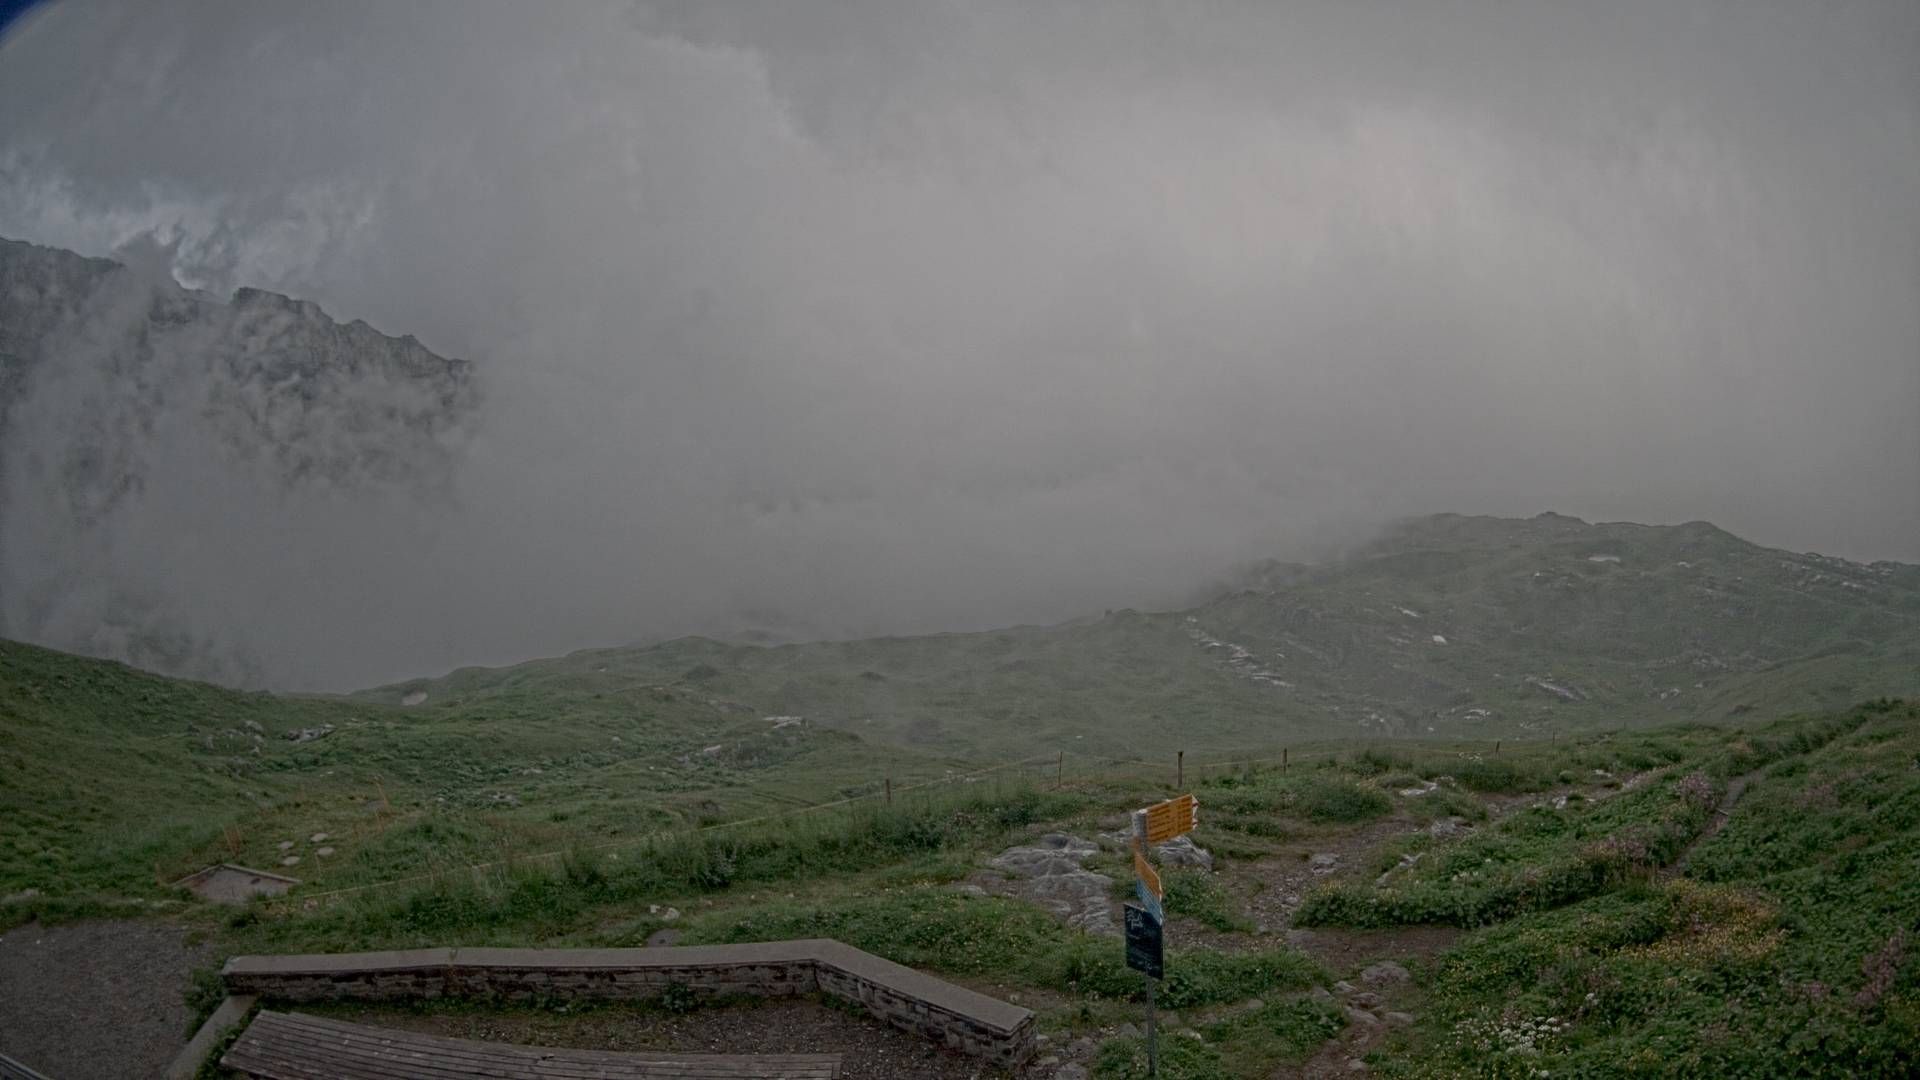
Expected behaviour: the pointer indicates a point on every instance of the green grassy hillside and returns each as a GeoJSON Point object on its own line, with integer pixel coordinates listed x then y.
{"type": "Point", "coordinates": [1730, 899]}
{"type": "Point", "coordinates": [1446, 627]}
{"type": "Point", "coordinates": [114, 781]}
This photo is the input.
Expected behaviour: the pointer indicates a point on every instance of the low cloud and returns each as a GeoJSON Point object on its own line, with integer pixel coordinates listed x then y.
{"type": "Point", "coordinates": [897, 317]}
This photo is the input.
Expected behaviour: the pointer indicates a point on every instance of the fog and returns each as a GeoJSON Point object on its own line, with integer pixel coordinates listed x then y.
{"type": "Point", "coordinates": [892, 317]}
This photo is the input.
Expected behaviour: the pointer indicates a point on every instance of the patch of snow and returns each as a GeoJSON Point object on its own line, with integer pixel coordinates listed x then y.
{"type": "Point", "coordinates": [1410, 613]}
{"type": "Point", "coordinates": [1603, 558]}
{"type": "Point", "coordinates": [1439, 639]}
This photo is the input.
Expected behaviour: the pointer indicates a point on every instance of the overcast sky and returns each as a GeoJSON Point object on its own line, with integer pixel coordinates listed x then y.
{"type": "Point", "coordinates": [895, 316]}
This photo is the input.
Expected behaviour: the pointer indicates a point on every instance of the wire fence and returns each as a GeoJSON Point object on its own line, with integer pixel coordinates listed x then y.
{"type": "Point", "coordinates": [1043, 765]}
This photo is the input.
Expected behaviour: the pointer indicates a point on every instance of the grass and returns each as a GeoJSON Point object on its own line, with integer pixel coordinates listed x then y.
{"type": "Point", "coordinates": [1251, 1042]}
{"type": "Point", "coordinates": [1786, 951]}
{"type": "Point", "coordinates": [1545, 856]}
{"type": "Point", "coordinates": [1691, 625]}
{"type": "Point", "coordinates": [523, 900]}
{"type": "Point", "coordinates": [944, 930]}
{"type": "Point", "coordinates": [1787, 947]}
{"type": "Point", "coordinates": [202, 774]}
{"type": "Point", "coordinates": [1198, 894]}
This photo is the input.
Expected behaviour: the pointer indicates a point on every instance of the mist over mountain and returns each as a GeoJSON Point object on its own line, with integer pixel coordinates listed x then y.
{"type": "Point", "coordinates": [1444, 626]}
{"type": "Point", "coordinates": [894, 318]}
{"type": "Point", "coordinates": [156, 441]}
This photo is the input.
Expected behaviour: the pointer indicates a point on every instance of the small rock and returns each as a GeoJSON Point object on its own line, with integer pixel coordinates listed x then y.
{"type": "Point", "coordinates": [1319, 993]}
{"type": "Point", "coordinates": [1047, 1060]}
{"type": "Point", "coordinates": [254, 725]}
{"type": "Point", "coordinates": [1362, 1017]}
{"type": "Point", "coordinates": [1070, 1071]}
{"type": "Point", "coordinates": [1386, 971]}
{"type": "Point", "coordinates": [1447, 828]}
{"type": "Point", "coordinates": [1343, 987]}
{"type": "Point", "coordinates": [318, 838]}
{"type": "Point", "coordinates": [1129, 1030]}
{"type": "Point", "coordinates": [1042, 1040]}
{"type": "Point", "coordinates": [1398, 1019]}
{"type": "Point", "coordinates": [1182, 851]}
{"type": "Point", "coordinates": [670, 914]}
{"type": "Point", "coordinates": [285, 845]}
{"type": "Point", "coordinates": [324, 852]}
{"type": "Point", "coordinates": [1084, 1046]}
{"type": "Point", "coordinates": [1356, 1065]}
{"type": "Point", "coordinates": [1366, 999]}
{"type": "Point", "coordinates": [291, 860]}
{"type": "Point", "coordinates": [1323, 862]}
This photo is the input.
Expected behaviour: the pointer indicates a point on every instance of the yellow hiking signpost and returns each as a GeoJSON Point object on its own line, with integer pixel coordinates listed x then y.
{"type": "Point", "coordinates": [1165, 821]}
{"type": "Point", "coordinates": [1145, 935]}
{"type": "Point", "coordinates": [1149, 877]}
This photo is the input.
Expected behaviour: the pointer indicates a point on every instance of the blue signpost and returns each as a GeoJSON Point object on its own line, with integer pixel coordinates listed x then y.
{"type": "Point", "coordinates": [1146, 954]}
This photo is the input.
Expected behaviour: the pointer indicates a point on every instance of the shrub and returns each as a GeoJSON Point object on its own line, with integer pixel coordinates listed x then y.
{"type": "Point", "coordinates": [1498, 777]}
{"type": "Point", "coordinates": [1342, 801]}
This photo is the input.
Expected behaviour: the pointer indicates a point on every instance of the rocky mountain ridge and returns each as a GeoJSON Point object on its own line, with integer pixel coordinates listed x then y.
{"type": "Point", "coordinates": [125, 397]}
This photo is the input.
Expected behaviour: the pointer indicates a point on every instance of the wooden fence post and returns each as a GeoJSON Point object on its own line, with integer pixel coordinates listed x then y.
{"type": "Point", "coordinates": [1283, 761]}
{"type": "Point", "coordinates": [1060, 771]}
{"type": "Point", "coordinates": [1179, 768]}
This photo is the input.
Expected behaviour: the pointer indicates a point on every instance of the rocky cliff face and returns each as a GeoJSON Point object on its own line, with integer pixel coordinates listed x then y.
{"type": "Point", "coordinates": [127, 400]}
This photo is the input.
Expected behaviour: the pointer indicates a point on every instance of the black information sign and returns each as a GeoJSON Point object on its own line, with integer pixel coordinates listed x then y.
{"type": "Point", "coordinates": [1146, 945]}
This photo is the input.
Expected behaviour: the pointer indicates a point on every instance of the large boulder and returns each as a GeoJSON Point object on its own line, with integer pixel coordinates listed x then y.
{"type": "Point", "coordinates": [1048, 872]}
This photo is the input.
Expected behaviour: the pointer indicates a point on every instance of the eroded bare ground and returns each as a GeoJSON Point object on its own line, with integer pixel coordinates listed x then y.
{"type": "Point", "coordinates": [1375, 970]}
{"type": "Point", "coordinates": [102, 999]}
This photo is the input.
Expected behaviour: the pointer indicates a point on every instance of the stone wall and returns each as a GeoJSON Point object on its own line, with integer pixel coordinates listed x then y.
{"type": "Point", "coordinates": [950, 1015]}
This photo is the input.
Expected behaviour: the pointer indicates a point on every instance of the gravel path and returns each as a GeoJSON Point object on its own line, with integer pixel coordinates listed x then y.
{"type": "Point", "coordinates": [873, 1050]}
{"type": "Point", "coordinates": [98, 999]}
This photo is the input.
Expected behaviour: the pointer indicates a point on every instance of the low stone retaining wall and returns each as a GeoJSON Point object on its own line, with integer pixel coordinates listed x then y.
{"type": "Point", "coordinates": [950, 1015]}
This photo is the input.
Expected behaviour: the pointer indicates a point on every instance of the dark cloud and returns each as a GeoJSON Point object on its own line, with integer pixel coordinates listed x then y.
{"type": "Point", "coordinates": [894, 316]}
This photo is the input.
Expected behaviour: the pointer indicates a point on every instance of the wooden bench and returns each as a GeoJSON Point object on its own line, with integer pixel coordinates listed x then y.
{"type": "Point", "coordinates": [295, 1046]}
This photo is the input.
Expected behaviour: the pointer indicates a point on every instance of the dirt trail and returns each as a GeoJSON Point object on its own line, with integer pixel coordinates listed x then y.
{"type": "Point", "coordinates": [1721, 815]}
{"type": "Point", "coordinates": [101, 999]}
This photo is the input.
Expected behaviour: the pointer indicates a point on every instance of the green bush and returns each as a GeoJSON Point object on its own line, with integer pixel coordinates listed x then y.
{"type": "Point", "coordinates": [1498, 776]}
{"type": "Point", "coordinates": [1343, 801]}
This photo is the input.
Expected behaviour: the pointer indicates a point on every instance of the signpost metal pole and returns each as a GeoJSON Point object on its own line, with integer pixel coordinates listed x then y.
{"type": "Point", "coordinates": [1146, 921]}
{"type": "Point", "coordinates": [1153, 1034]}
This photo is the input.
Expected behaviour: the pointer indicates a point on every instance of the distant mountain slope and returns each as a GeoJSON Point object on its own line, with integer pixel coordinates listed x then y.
{"type": "Point", "coordinates": [126, 400]}
{"type": "Point", "coordinates": [1445, 626]}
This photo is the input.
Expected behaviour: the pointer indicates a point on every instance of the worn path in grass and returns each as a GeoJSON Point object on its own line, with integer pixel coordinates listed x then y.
{"type": "Point", "coordinates": [1721, 815]}
{"type": "Point", "coordinates": [102, 999]}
